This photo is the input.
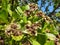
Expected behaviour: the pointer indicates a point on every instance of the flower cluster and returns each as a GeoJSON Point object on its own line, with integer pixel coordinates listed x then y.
{"type": "Point", "coordinates": [46, 18]}
{"type": "Point", "coordinates": [32, 29]}
{"type": "Point", "coordinates": [28, 12]}
{"type": "Point", "coordinates": [26, 42]}
{"type": "Point", "coordinates": [32, 23]}
{"type": "Point", "coordinates": [33, 6]}
{"type": "Point", "coordinates": [12, 29]}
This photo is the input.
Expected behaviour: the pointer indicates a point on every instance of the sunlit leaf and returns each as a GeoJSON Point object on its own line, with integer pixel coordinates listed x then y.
{"type": "Point", "coordinates": [24, 19]}
{"type": "Point", "coordinates": [19, 10]}
{"type": "Point", "coordinates": [9, 9]}
{"type": "Point", "coordinates": [34, 42]}
{"type": "Point", "coordinates": [49, 43]}
{"type": "Point", "coordinates": [50, 36]}
{"type": "Point", "coordinates": [17, 38]}
{"type": "Point", "coordinates": [27, 7]}
{"type": "Point", "coordinates": [58, 14]}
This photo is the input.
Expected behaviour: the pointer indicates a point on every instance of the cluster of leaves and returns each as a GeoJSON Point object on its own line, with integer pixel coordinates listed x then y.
{"type": "Point", "coordinates": [26, 25]}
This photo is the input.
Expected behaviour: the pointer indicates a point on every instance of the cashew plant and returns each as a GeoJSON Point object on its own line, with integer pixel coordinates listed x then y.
{"type": "Point", "coordinates": [26, 25]}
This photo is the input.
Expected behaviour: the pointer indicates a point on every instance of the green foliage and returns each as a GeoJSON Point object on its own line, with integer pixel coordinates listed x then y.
{"type": "Point", "coordinates": [40, 37]}
{"type": "Point", "coordinates": [3, 16]}
{"type": "Point", "coordinates": [17, 38]}
{"type": "Point", "coordinates": [57, 14]}
{"type": "Point", "coordinates": [25, 25]}
{"type": "Point", "coordinates": [34, 42]}
{"type": "Point", "coordinates": [50, 36]}
{"type": "Point", "coordinates": [49, 43]}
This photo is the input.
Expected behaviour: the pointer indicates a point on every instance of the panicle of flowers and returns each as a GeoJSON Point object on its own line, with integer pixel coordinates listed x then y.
{"type": "Point", "coordinates": [12, 29]}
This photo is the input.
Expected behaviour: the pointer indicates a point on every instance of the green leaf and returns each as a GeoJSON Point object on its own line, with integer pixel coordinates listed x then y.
{"type": "Point", "coordinates": [58, 14]}
{"type": "Point", "coordinates": [20, 43]}
{"type": "Point", "coordinates": [34, 42]}
{"type": "Point", "coordinates": [1, 26]}
{"type": "Point", "coordinates": [10, 42]}
{"type": "Point", "coordinates": [27, 7]}
{"type": "Point", "coordinates": [45, 26]}
{"type": "Point", "coordinates": [50, 36]}
{"type": "Point", "coordinates": [19, 9]}
{"type": "Point", "coordinates": [0, 6]}
{"type": "Point", "coordinates": [35, 18]}
{"type": "Point", "coordinates": [17, 38]}
{"type": "Point", "coordinates": [24, 19]}
{"type": "Point", "coordinates": [9, 10]}
{"type": "Point", "coordinates": [15, 15]}
{"type": "Point", "coordinates": [5, 4]}
{"type": "Point", "coordinates": [49, 43]}
{"type": "Point", "coordinates": [4, 16]}
{"type": "Point", "coordinates": [41, 39]}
